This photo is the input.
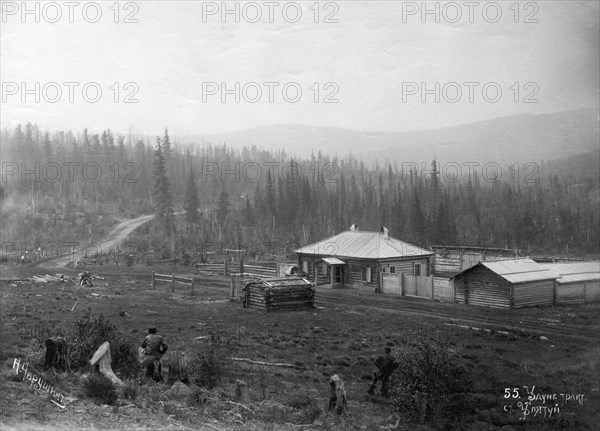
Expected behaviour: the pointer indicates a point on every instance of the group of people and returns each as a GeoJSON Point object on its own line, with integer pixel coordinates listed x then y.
{"type": "Point", "coordinates": [154, 347]}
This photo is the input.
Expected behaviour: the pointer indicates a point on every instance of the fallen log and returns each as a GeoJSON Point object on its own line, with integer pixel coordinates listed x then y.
{"type": "Point", "coordinates": [270, 364]}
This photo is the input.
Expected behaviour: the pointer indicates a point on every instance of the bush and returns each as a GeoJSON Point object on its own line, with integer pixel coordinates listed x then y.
{"type": "Point", "coordinates": [90, 333]}
{"type": "Point", "coordinates": [429, 369]}
{"type": "Point", "coordinates": [208, 366]}
{"type": "Point", "coordinates": [101, 389]}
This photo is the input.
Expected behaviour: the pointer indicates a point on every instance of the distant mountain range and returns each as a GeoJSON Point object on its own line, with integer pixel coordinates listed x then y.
{"type": "Point", "coordinates": [517, 138]}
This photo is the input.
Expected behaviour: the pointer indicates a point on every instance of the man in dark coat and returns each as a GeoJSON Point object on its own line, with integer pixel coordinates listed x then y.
{"type": "Point", "coordinates": [385, 367]}
{"type": "Point", "coordinates": [154, 347]}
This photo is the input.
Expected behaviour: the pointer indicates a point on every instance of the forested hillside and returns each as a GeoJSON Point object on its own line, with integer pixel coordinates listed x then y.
{"type": "Point", "coordinates": [264, 201]}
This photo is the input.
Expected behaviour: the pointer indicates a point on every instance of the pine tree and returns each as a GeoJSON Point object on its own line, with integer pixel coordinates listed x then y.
{"type": "Point", "coordinates": [192, 203]}
{"type": "Point", "coordinates": [223, 207]}
{"type": "Point", "coordinates": [162, 192]}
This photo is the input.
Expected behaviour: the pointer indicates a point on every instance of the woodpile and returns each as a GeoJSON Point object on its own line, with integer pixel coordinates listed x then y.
{"type": "Point", "coordinates": [43, 279]}
{"type": "Point", "coordinates": [277, 294]}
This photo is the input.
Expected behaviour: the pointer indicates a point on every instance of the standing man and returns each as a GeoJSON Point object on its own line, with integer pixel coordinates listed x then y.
{"type": "Point", "coordinates": [154, 347]}
{"type": "Point", "coordinates": [385, 367]}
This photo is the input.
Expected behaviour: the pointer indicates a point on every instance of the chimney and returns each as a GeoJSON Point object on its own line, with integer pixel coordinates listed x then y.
{"type": "Point", "coordinates": [385, 233]}
{"type": "Point", "coordinates": [354, 228]}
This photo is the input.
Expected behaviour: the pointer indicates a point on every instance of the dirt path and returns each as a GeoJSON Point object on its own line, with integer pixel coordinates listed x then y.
{"type": "Point", "coordinates": [115, 236]}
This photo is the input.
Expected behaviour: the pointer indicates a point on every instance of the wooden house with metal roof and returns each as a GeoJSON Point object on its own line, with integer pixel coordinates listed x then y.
{"type": "Point", "coordinates": [506, 284]}
{"type": "Point", "coordinates": [355, 258]}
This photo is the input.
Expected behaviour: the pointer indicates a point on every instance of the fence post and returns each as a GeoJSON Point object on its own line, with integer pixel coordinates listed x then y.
{"type": "Point", "coordinates": [153, 281]}
{"type": "Point", "coordinates": [401, 279]}
{"type": "Point", "coordinates": [432, 285]}
{"type": "Point", "coordinates": [173, 283]}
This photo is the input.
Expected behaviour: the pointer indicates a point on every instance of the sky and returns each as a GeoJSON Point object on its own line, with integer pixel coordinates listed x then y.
{"type": "Point", "coordinates": [370, 60]}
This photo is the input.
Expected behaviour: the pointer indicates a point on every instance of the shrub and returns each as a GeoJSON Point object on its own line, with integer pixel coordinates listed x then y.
{"type": "Point", "coordinates": [429, 369]}
{"type": "Point", "coordinates": [101, 389]}
{"type": "Point", "coordinates": [90, 333]}
{"type": "Point", "coordinates": [130, 391]}
{"type": "Point", "coordinates": [208, 365]}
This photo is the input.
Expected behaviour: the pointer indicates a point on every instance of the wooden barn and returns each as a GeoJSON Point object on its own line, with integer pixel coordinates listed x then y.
{"type": "Point", "coordinates": [506, 284]}
{"type": "Point", "coordinates": [278, 294]}
{"type": "Point", "coordinates": [355, 258]}
{"type": "Point", "coordinates": [450, 260]}
{"type": "Point", "coordinates": [577, 282]}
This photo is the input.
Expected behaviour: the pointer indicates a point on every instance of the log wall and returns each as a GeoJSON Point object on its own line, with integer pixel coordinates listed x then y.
{"type": "Point", "coordinates": [279, 298]}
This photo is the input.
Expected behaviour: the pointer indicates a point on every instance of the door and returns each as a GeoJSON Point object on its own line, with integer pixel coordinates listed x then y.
{"type": "Point", "coordinates": [339, 275]}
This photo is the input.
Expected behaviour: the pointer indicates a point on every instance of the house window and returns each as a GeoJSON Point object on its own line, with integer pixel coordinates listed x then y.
{"type": "Point", "coordinates": [392, 269]}
{"type": "Point", "coordinates": [305, 267]}
{"type": "Point", "coordinates": [417, 269]}
{"type": "Point", "coordinates": [323, 269]}
{"type": "Point", "coordinates": [367, 274]}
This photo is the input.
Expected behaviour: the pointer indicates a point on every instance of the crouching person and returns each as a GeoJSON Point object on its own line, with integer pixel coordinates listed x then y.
{"type": "Point", "coordinates": [154, 348]}
{"type": "Point", "coordinates": [385, 368]}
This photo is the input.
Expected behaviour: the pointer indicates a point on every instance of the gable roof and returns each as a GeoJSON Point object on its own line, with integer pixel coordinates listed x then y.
{"type": "Point", "coordinates": [363, 245]}
{"type": "Point", "coordinates": [516, 270]}
{"type": "Point", "coordinates": [574, 271]}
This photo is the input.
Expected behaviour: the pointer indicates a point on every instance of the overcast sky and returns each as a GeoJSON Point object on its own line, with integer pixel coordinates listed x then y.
{"type": "Point", "coordinates": [171, 55]}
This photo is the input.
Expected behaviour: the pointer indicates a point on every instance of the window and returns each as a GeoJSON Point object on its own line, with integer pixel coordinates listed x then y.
{"type": "Point", "coordinates": [392, 269]}
{"type": "Point", "coordinates": [417, 269]}
{"type": "Point", "coordinates": [323, 269]}
{"type": "Point", "coordinates": [305, 267]}
{"type": "Point", "coordinates": [367, 274]}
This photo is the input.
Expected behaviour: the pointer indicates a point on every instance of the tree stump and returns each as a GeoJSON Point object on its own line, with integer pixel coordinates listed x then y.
{"type": "Point", "coordinates": [338, 400]}
{"type": "Point", "coordinates": [56, 354]}
{"type": "Point", "coordinates": [103, 359]}
{"type": "Point", "coordinates": [176, 364]}
{"type": "Point", "coordinates": [241, 392]}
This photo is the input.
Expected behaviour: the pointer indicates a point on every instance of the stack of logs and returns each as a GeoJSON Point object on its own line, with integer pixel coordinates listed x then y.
{"type": "Point", "coordinates": [279, 294]}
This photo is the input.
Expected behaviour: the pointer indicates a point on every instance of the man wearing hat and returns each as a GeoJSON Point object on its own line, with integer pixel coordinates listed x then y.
{"type": "Point", "coordinates": [385, 367]}
{"type": "Point", "coordinates": [154, 347]}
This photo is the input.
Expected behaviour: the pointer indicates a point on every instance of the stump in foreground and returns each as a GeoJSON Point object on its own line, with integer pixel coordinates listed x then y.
{"type": "Point", "coordinates": [56, 354]}
{"type": "Point", "coordinates": [103, 359]}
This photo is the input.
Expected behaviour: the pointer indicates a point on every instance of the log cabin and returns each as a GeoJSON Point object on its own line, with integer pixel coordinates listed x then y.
{"type": "Point", "coordinates": [356, 258]}
{"type": "Point", "coordinates": [510, 283]}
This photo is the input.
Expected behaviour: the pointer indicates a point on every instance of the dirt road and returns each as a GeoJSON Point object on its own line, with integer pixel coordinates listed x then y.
{"type": "Point", "coordinates": [115, 236]}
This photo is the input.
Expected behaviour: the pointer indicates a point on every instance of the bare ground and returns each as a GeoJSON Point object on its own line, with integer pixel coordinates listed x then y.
{"type": "Point", "coordinates": [341, 335]}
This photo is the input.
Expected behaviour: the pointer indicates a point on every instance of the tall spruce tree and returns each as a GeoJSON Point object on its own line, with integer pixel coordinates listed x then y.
{"type": "Point", "coordinates": [192, 203]}
{"type": "Point", "coordinates": [163, 204]}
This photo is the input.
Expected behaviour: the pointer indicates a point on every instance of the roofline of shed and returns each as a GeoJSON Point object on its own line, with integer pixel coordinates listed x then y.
{"type": "Point", "coordinates": [366, 258]}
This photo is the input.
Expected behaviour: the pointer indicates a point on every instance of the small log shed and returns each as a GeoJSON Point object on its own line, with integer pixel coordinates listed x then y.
{"type": "Point", "coordinates": [275, 294]}
{"type": "Point", "coordinates": [505, 284]}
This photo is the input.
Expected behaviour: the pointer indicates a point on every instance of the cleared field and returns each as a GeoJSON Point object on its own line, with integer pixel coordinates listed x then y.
{"type": "Point", "coordinates": [341, 335]}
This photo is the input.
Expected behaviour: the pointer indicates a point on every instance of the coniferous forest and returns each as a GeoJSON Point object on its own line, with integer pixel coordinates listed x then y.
{"type": "Point", "coordinates": [57, 185]}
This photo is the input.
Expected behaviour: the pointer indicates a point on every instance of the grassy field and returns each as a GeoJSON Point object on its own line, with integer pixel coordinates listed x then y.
{"type": "Point", "coordinates": [332, 338]}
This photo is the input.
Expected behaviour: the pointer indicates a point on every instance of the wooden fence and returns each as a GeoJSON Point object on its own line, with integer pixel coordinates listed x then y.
{"type": "Point", "coordinates": [210, 268]}
{"type": "Point", "coordinates": [166, 278]}
{"type": "Point", "coordinates": [428, 287]}
{"type": "Point", "coordinates": [260, 269]}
